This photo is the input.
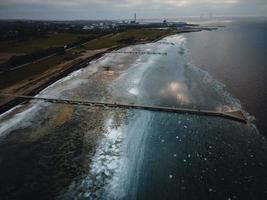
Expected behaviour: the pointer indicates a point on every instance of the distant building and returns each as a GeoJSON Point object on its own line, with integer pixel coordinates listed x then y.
{"type": "Point", "coordinates": [135, 20]}
{"type": "Point", "coordinates": [165, 23]}
{"type": "Point", "coordinates": [86, 27]}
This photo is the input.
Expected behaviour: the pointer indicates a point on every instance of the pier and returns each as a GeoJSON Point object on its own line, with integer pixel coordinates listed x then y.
{"type": "Point", "coordinates": [167, 43]}
{"type": "Point", "coordinates": [140, 52]}
{"type": "Point", "coordinates": [235, 115]}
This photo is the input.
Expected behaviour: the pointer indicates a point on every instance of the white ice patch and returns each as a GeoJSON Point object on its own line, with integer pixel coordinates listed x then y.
{"type": "Point", "coordinates": [12, 123]}
{"type": "Point", "coordinates": [126, 180]}
{"type": "Point", "coordinates": [133, 76]}
{"type": "Point", "coordinates": [79, 77]}
{"type": "Point", "coordinates": [75, 79]}
{"type": "Point", "coordinates": [139, 59]}
{"type": "Point", "coordinates": [118, 157]}
{"type": "Point", "coordinates": [134, 91]}
{"type": "Point", "coordinates": [105, 163]}
{"type": "Point", "coordinates": [63, 88]}
{"type": "Point", "coordinates": [176, 39]}
{"type": "Point", "coordinates": [136, 81]}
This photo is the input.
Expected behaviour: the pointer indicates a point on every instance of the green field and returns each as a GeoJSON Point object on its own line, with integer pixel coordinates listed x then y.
{"type": "Point", "coordinates": [58, 40]}
{"type": "Point", "coordinates": [36, 44]}
{"type": "Point", "coordinates": [11, 77]}
{"type": "Point", "coordinates": [115, 39]}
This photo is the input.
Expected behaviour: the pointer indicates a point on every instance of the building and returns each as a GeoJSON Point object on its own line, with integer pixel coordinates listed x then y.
{"type": "Point", "coordinates": [135, 20]}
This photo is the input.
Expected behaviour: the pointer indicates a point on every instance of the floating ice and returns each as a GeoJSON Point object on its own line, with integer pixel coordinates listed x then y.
{"type": "Point", "coordinates": [12, 123]}
{"type": "Point", "coordinates": [134, 91]}
{"type": "Point", "coordinates": [104, 164]}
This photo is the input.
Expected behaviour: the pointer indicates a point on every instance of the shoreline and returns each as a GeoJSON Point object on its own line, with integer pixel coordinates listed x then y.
{"type": "Point", "coordinates": [83, 63]}
{"type": "Point", "coordinates": [16, 101]}
{"type": "Point", "coordinates": [13, 102]}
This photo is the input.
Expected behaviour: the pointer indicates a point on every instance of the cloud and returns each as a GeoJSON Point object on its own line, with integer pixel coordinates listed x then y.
{"type": "Point", "coordinates": [124, 8]}
{"type": "Point", "coordinates": [128, 3]}
{"type": "Point", "coordinates": [185, 3]}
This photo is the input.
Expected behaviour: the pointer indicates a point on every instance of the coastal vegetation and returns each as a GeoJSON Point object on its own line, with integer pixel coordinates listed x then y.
{"type": "Point", "coordinates": [128, 37]}
{"type": "Point", "coordinates": [35, 44]}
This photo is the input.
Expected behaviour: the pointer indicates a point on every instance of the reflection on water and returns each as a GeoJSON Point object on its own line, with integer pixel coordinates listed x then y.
{"type": "Point", "coordinates": [177, 90]}
{"type": "Point", "coordinates": [76, 152]}
{"type": "Point", "coordinates": [236, 55]}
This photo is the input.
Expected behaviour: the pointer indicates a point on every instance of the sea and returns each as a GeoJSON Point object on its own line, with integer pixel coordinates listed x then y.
{"type": "Point", "coordinates": [236, 56]}
{"type": "Point", "coordinates": [54, 151]}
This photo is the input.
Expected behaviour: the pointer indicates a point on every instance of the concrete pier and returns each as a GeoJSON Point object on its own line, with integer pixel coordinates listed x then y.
{"type": "Point", "coordinates": [235, 115]}
{"type": "Point", "coordinates": [140, 53]}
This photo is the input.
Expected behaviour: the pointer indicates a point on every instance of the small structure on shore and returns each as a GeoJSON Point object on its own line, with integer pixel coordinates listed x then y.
{"type": "Point", "coordinates": [108, 70]}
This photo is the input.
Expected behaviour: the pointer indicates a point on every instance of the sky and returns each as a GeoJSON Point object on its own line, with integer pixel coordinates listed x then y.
{"type": "Point", "coordinates": [124, 9]}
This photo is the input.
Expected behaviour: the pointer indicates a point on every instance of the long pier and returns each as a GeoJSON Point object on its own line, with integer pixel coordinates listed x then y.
{"type": "Point", "coordinates": [140, 52]}
{"type": "Point", "coordinates": [235, 115]}
{"type": "Point", "coordinates": [167, 43]}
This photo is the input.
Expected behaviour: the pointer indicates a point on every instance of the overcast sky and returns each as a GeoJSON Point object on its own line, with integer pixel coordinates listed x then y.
{"type": "Point", "coordinates": [124, 9]}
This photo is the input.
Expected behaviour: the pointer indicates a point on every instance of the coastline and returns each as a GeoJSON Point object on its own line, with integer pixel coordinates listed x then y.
{"type": "Point", "coordinates": [12, 102]}
{"type": "Point", "coordinates": [75, 144]}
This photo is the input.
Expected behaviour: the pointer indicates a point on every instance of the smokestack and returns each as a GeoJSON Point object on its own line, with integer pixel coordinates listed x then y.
{"type": "Point", "coordinates": [135, 17]}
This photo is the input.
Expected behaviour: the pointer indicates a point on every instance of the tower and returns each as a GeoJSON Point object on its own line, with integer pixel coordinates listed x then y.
{"type": "Point", "coordinates": [134, 17]}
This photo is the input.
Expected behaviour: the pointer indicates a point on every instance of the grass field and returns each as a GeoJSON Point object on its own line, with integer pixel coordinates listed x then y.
{"type": "Point", "coordinates": [37, 44]}
{"type": "Point", "coordinates": [138, 34]}
{"type": "Point", "coordinates": [11, 77]}
{"type": "Point", "coordinates": [58, 40]}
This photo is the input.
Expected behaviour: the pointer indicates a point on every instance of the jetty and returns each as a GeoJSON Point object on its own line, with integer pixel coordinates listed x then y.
{"type": "Point", "coordinates": [233, 115]}
{"type": "Point", "coordinates": [139, 52]}
{"type": "Point", "coordinates": [167, 43]}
